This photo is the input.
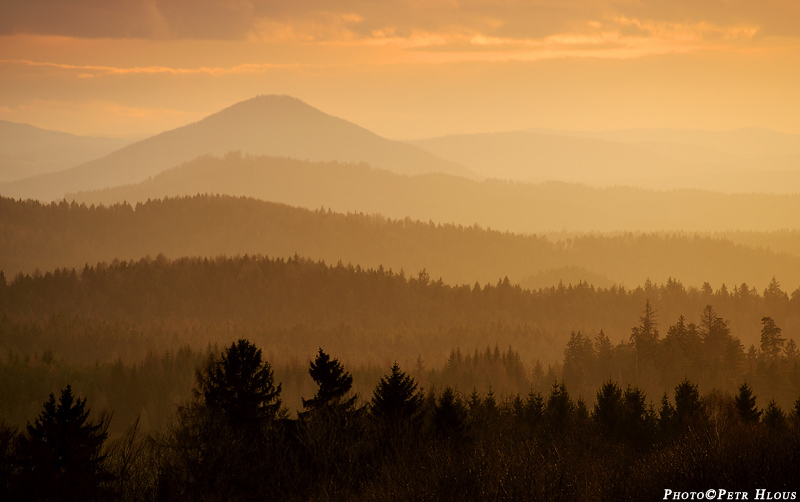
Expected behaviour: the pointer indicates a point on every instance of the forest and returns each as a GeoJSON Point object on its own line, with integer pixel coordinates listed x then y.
{"type": "Point", "coordinates": [233, 439]}
{"type": "Point", "coordinates": [140, 324]}
{"type": "Point", "coordinates": [375, 382]}
{"type": "Point", "coordinates": [41, 236]}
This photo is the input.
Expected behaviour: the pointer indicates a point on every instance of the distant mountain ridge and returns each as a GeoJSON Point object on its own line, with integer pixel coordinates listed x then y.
{"type": "Point", "coordinates": [265, 125]}
{"type": "Point", "coordinates": [27, 151]}
{"type": "Point", "coordinates": [738, 161]}
{"type": "Point", "coordinates": [503, 205]}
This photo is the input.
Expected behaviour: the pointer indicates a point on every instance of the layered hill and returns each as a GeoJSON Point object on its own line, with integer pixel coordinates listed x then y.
{"type": "Point", "coordinates": [748, 160]}
{"type": "Point", "coordinates": [27, 151]}
{"type": "Point", "coordinates": [265, 125]}
{"type": "Point", "coordinates": [517, 207]}
{"type": "Point", "coordinates": [36, 236]}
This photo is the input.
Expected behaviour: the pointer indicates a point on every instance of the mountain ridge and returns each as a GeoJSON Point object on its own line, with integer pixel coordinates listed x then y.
{"type": "Point", "coordinates": [27, 150]}
{"type": "Point", "coordinates": [264, 125]}
{"type": "Point", "coordinates": [500, 204]}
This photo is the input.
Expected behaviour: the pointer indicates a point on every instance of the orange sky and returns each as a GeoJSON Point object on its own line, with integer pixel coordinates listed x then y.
{"type": "Point", "coordinates": [404, 68]}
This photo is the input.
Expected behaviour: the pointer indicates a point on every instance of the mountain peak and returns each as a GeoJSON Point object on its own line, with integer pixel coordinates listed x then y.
{"type": "Point", "coordinates": [274, 103]}
{"type": "Point", "coordinates": [276, 125]}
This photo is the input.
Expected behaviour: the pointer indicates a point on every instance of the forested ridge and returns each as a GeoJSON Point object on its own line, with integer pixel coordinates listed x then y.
{"type": "Point", "coordinates": [118, 315]}
{"type": "Point", "coordinates": [46, 236]}
{"type": "Point", "coordinates": [506, 205]}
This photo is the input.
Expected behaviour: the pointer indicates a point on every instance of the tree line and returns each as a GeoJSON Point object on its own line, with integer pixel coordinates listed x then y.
{"type": "Point", "coordinates": [63, 234]}
{"type": "Point", "coordinates": [127, 309]}
{"type": "Point", "coordinates": [234, 440]}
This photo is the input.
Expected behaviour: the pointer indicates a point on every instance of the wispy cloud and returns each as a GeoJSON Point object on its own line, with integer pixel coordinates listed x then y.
{"type": "Point", "coordinates": [88, 71]}
{"type": "Point", "coordinates": [348, 20]}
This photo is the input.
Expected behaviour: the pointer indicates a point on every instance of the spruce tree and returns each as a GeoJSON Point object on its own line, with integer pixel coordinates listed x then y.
{"type": "Point", "coordinates": [771, 339]}
{"type": "Point", "coordinates": [61, 453]}
{"type": "Point", "coordinates": [334, 384]}
{"type": "Point", "coordinates": [560, 407]}
{"type": "Point", "coordinates": [608, 407]}
{"type": "Point", "coordinates": [688, 406]}
{"type": "Point", "coordinates": [746, 404]}
{"type": "Point", "coordinates": [774, 416]}
{"type": "Point", "coordinates": [240, 386]}
{"type": "Point", "coordinates": [396, 399]}
{"type": "Point", "coordinates": [450, 414]}
{"type": "Point", "coordinates": [666, 416]}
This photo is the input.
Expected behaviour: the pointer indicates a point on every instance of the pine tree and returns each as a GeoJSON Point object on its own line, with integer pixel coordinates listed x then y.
{"type": "Point", "coordinates": [450, 414]}
{"type": "Point", "coordinates": [240, 385]}
{"type": "Point", "coordinates": [774, 416]}
{"type": "Point", "coordinates": [666, 416]}
{"type": "Point", "coordinates": [396, 399]}
{"type": "Point", "coordinates": [645, 336]}
{"type": "Point", "coordinates": [638, 420]}
{"type": "Point", "coordinates": [745, 403]}
{"type": "Point", "coordinates": [60, 453]}
{"type": "Point", "coordinates": [688, 406]}
{"type": "Point", "coordinates": [559, 407]}
{"type": "Point", "coordinates": [608, 407]}
{"type": "Point", "coordinates": [334, 384]}
{"type": "Point", "coordinates": [771, 340]}
{"type": "Point", "coordinates": [534, 408]}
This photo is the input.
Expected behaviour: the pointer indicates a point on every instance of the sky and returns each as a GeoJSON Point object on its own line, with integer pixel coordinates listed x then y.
{"type": "Point", "coordinates": [404, 68]}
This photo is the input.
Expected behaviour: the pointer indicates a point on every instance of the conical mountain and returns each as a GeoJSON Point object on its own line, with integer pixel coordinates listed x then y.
{"type": "Point", "coordinates": [266, 125]}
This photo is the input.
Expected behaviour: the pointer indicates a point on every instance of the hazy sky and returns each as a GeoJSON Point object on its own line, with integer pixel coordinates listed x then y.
{"type": "Point", "coordinates": [404, 68]}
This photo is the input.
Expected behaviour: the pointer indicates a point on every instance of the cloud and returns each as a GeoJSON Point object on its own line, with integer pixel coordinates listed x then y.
{"type": "Point", "coordinates": [368, 20]}
{"type": "Point", "coordinates": [89, 71]}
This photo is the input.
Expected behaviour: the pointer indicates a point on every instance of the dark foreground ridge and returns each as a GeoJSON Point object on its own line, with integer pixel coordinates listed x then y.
{"type": "Point", "coordinates": [233, 441]}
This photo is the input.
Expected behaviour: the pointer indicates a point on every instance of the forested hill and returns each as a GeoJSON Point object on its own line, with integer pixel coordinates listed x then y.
{"type": "Point", "coordinates": [34, 235]}
{"type": "Point", "coordinates": [291, 307]}
{"type": "Point", "coordinates": [517, 207]}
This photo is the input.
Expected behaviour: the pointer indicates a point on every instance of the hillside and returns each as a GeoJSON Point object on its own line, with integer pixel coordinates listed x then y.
{"type": "Point", "coordinates": [517, 207]}
{"type": "Point", "coordinates": [36, 236]}
{"type": "Point", "coordinates": [265, 125]}
{"type": "Point", "coordinates": [748, 160]}
{"type": "Point", "coordinates": [29, 151]}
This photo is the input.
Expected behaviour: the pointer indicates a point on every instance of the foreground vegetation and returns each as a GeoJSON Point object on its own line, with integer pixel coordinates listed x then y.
{"type": "Point", "coordinates": [233, 441]}
{"type": "Point", "coordinates": [570, 392]}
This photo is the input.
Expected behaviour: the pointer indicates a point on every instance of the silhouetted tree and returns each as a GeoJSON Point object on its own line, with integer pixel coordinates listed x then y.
{"type": "Point", "coordinates": [534, 408]}
{"type": "Point", "coordinates": [771, 340]}
{"type": "Point", "coordinates": [608, 408]}
{"type": "Point", "coordinates": [334, 384]}
{"type": "Point", "coordinates": [645, 336]}
{"type": "Point", "coordinates": [774, 416]}
{"type": "Point", "coordinates": [450, 414]}
{"type": "Point", "coordinates": [60, 455]}
{"type": "Point", "coordinates": [745, 403]}
{"type": "Point", "coordinates": [218, 447]}
{"type": "Point", "coordinates": [560, 408]}
{"type": "Point", "coordinates": [240, 385]}
{"type": "Point", "coordinates": [396, 399]}
{"type": "Point", "coordinates": [638, 420]}
{"type": "Point", "coordinates": [688, 406]}
{"type": "Point", "coordinates": [666, 417]}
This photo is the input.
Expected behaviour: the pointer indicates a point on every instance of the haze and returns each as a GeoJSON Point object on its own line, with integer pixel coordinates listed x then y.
{"type": "Point", "coordinates": [403, 69]}
{"type": "Point", "coordinates": [400, 250]}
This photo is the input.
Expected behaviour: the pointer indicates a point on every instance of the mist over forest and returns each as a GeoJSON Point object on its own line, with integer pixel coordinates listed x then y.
{"type": "Point", "coordinates": [276, 303]}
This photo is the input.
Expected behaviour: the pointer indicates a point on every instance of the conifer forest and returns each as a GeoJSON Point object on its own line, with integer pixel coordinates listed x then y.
{"type": "Point", "coordinates": [185, 378]}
